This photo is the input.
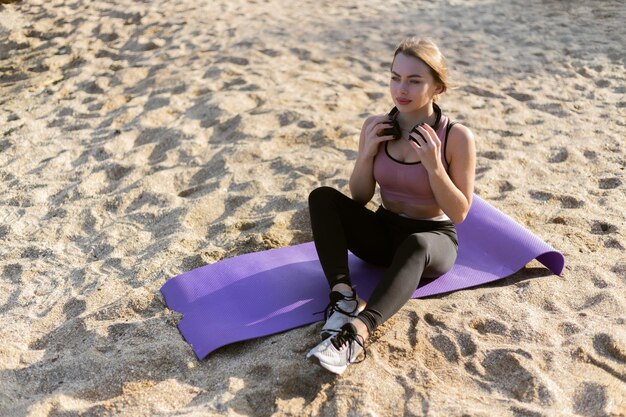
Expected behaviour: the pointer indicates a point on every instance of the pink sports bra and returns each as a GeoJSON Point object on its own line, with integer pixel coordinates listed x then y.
{"type": "Point", "coordinates": [408, 181]}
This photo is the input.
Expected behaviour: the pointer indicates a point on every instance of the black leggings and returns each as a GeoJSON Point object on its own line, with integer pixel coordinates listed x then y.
{"type": "Point", "coordinates": [409, 249]}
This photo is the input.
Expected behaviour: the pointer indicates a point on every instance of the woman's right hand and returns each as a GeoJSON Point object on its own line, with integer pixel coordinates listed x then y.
{"type": "Point", "coordinates": [370, 139]}
{"type": "Point", "coordinates": [362, 183]}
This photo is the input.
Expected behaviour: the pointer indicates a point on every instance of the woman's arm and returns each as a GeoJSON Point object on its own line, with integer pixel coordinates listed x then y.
{"type": "Point", "coordinates": [453, 190]}
{"type": "Point", "coordinates": [362, 183]}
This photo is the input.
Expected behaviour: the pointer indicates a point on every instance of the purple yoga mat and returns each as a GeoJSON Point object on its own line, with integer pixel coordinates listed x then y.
{"type": "Point", "coordinates": [267, 292]}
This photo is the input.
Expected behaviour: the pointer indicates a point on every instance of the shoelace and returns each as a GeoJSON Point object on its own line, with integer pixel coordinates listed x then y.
{"type": "Point", "coordinates": [348, 335]}
{"type": "Point", "coordinates": [335, 297]}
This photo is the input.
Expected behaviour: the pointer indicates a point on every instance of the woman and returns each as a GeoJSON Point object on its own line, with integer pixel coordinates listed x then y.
{"type": "Point", "coordinates": [424, 165]}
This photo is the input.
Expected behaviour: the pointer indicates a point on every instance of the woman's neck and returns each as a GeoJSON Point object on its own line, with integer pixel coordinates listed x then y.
{"type": "Point", "coordinates": [408, 121]}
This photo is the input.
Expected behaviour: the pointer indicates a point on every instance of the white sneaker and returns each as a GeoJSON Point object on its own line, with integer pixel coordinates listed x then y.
{"type": "Point", "coordinates": [343, 307]}
{"type": "Point", "coordinates": [337, 352]}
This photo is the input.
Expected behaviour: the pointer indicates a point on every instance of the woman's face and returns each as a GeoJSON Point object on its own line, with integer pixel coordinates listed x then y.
{"type": "Point", "coordinates": [412, 86]}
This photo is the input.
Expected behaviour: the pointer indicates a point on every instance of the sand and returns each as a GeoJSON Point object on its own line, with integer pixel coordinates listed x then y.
{"type": "Point", "coordinates": [140, 140]}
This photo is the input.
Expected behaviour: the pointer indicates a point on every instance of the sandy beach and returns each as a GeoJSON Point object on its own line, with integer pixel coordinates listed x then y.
{"type": "Point", "coordinates": [140, 140]}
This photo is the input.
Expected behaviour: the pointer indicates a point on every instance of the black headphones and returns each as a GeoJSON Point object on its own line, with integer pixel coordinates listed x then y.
{"type": "Point", "coordinates": [395, 129]}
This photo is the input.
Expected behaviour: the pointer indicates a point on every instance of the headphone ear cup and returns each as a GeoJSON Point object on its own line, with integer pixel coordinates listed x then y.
{"type": "Point", "coordinates": [394, 130]}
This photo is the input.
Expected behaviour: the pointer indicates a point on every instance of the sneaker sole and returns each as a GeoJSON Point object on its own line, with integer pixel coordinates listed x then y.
{"type": "Point", "coordinates": [332, 368]}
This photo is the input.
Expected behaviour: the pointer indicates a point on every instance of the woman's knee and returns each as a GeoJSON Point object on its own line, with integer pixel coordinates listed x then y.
{"type": "Point", "coordinates": [436, 252]}
{"type": "Point", "coordinates": [322, 194]}
{"type": "Point", "coordinates": [416, 242]}
{"type": "Point", "coordinates": [414, 248]}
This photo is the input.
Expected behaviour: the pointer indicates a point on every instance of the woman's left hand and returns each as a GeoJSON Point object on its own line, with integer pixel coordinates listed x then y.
{"type": "Point", "coordinates": [427, 148]}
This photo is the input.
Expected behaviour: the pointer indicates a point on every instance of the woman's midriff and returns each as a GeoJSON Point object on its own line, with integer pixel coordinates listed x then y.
{"type": "Point", "coordinates": [426, 211]}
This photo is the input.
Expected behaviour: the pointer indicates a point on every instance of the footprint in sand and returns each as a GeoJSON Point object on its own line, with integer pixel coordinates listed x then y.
{"type": "Point", "coordinates": [10, 75]}
{"type": "Point", "coordinates": [165, 138]}
{"type": "Point", "coordinates": [208, 114]}
{"type": "Point", "coordinates": [505, 187]}
{"type": "Point", "coordinates": [602, 301]}
{"type": "Point", "coordinates": [412, 336]}
{"type": "Point", "coordinates": [147, 199]}
{"type": "Point", "coordinates": [603, 83]}
{"type": "Point", "coordinates": [554, 109]}
{"type": "Point", "coordinates": [33, 252]}
{"type": "Point", "coordinates": [559, 155]}
{"type": "Point", "coordinates": [507, 373]}
{"type": "Point", "coordinates": [116, 172]}
{"type": "Point", "coordinates": [13, 274]}
{"type": "Point", "coordinates": [521, 96]}
{"type": "Point", "coordinates": [446, 346]}
{"type": "Point", "coordinates": [4, 231]}
{"type": "Point", "coordinates": [609, 183]}
{"type": "Point", "coordinates": [540, 195]}
{"type": "Point", "coordinates": [434, 322]}
{"type": "Point", "coordinates": [306, 124]}
{"type": "Point", "coordinates": [234, 60]}
{"type": "Point", "coordinates": [235, 82]}
{"type": "Point", "coordinates": [559, 220]}
{"type": "Point", "coordinates": [227, 131]}
{"type": "Point", "coordinates": [523, 412]}
{"type": "Point", "coordinates": [451, 350]}
{"type": "Point", "coordinates": [568, 329]}
{"type": "Point", "coordinates": [487, 326]}
{"type": "Point", "coordinates": [613, 244]}
{"type": "Point", "coordinates": [271, 52]}
{"type": "Point", "coordinates": [372, 95]}
{"type": "Point", "coordinates": [103, 53]}
{"type": "Point", "coordinates": [91, 87]}
{"type": "Point", "coordinates": [106, 36]}
{"type": "Point", "coordinates": [198, 190]}
{"type": "Point", "coordinates": [620, 269]}
{"type": "Point", "coordinates": [493, 155]}
{"type": "Point", "coordinates": [601, 228]}
{"type": "Point", "coordinates": [74, 307]}
{"type": "Point", "coordinates": [590, 399]}
{"type": "Point", "coordinates": [302, 54]}
{"type": "Point", "coordinates": [598, 282]}
{"type": "Point", "coordinates": [609, 348]}
{"type": "Point", "coordinates": [466, 344]}
{"type": "Point", "coordinates": [590, 155]}
{"type": "Point", "coordinates": [571, 202]}
{"type": "Point", "coordinates": [98, 154]}
{"type": "Point", "coordinates": [156, 102]}
{"type": "Point", "coordinates": [93, 107]}
{"type": "Point", "coordinates": [288, 117]}
{"type": "Point", "coordinates": [480, 92]}
{"type": "Point", "coordinates": [5, 144]}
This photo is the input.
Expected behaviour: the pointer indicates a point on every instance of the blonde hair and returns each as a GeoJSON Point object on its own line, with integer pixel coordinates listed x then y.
{"type": "Point", "coordinates": [428, 52]}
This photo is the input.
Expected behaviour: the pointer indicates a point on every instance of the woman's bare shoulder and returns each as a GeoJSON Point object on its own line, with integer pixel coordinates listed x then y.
{"type": "Point", "coordinates": [460, 133]}
{"type": "Point", "coordinates": [461, 142]}
{"type": "Point", "coordinates": [461, 139]}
